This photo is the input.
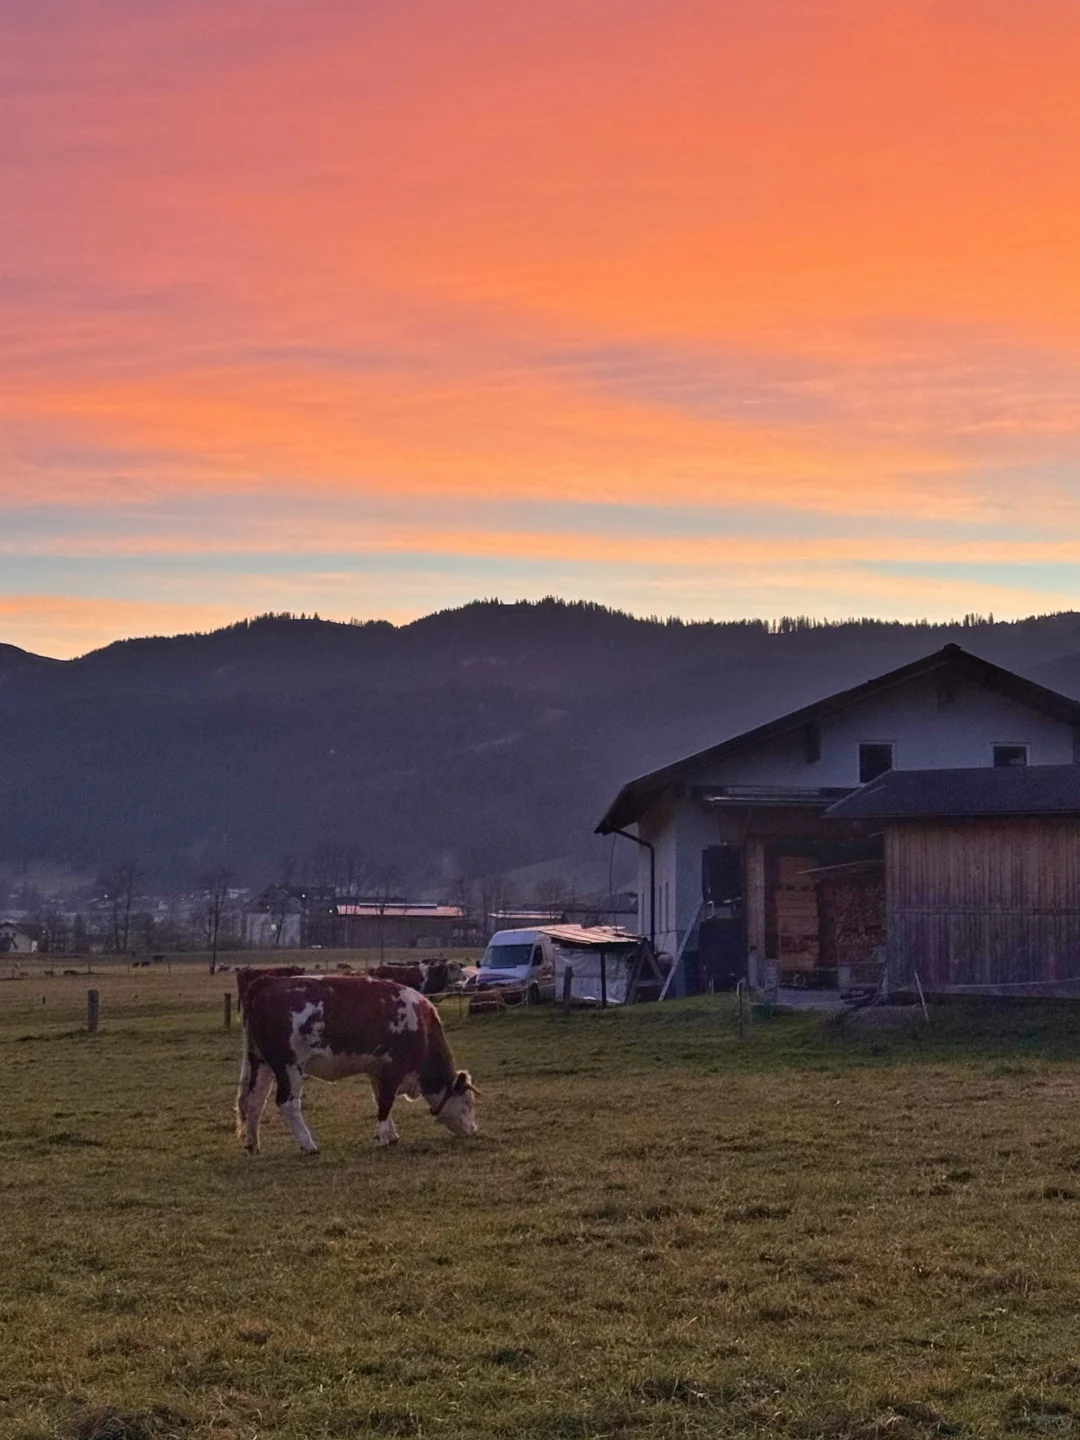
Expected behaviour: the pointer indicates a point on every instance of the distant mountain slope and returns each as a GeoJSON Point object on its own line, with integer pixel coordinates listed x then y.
{"type": "Point", "coordinates": [472, 740]}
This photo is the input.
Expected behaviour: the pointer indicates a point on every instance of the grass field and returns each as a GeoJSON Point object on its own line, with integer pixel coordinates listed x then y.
{"type": "Point", "coordinates": [662, 1231]}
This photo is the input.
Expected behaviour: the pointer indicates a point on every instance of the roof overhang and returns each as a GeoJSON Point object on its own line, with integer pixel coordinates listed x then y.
{"type": "Point", "coordinates": [728, 797]}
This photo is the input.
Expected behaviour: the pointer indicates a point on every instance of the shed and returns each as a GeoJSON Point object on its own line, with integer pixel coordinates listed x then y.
{"type": "Point", "coordinates": [610, 965]}
{"type": "Point", "coordinates": [982, 876]}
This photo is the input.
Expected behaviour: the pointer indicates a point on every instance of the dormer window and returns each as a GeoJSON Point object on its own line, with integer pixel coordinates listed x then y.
{"type": "Point", "coordinates": [874, 760]}
{"type": "Point", "coordinates": [1008, 756]}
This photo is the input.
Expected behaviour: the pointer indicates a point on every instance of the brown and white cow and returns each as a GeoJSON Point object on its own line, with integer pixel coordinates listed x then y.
{"type": "Point", "coordinates": [430, 977]}
{"type": "Point", "coordinates": [331, 1026]}
{"type": "Point", "coordinates": [246, 975]}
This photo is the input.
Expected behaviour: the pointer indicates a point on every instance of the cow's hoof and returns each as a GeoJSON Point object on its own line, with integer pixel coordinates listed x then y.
{"type": "Point", "coordinates": [309, 1149]}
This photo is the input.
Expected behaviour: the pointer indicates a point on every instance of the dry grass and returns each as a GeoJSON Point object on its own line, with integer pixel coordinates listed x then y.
{"type": "Point", "coordinates": [661, 1232]}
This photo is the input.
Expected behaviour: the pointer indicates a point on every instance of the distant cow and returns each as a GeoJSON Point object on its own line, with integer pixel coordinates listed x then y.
{"type": "Point", "coordinates": [331, 1026]}
{"type": "Point", "coordinates": [430, 977]}
{"type": "Point", "coordinates": [246, 975]}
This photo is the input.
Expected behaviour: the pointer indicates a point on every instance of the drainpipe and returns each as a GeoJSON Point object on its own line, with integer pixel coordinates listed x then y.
{"type": "Point", "coordinates": [652, 879]}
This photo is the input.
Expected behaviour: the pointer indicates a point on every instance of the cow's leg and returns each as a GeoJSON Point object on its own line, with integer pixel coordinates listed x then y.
{"type": "Point", "coordinates": [385, 1094]}
{"type": "Point", "coordinates": [256, 1104]}
{"type": "Point", "coordinates": [290, 1083]}
{"type": "Point", "coordinates": [254, 1086]}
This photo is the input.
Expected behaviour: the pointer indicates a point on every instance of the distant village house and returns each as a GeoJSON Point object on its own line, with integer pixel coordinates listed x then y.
{"type": "Point", "coordinates": [287, 916]}
{"type": "Point", "coordinates": [16, 941]}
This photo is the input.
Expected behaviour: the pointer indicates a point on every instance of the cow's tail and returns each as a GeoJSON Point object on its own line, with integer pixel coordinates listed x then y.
{"type": "Point", "coordinates": [248, 1066]}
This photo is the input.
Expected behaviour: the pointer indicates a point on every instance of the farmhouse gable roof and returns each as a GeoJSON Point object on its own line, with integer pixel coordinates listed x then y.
{"type": "Point", "coordinates": [639, 795]}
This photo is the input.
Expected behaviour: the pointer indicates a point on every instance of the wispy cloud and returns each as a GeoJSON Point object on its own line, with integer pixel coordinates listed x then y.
{"type": "Point", "coordinates": [684, 305]}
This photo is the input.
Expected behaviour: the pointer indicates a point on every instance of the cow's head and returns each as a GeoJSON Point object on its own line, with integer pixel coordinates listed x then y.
{"type": "Point", "coordinates": [455, 973]}
{"type": "Point", "coordinates": [457, 1109]}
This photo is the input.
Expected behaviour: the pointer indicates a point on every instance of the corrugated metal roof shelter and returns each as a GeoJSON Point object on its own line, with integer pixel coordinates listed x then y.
{"type": "Point", "coordinates": [609, 965]}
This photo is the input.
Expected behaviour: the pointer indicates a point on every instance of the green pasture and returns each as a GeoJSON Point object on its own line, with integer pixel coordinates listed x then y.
{"type": "Point", "coordinates": [663, 1230]}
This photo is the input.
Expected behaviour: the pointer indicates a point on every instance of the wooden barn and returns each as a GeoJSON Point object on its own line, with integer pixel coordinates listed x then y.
{"type": "Point", "coordinates": [982, 876]}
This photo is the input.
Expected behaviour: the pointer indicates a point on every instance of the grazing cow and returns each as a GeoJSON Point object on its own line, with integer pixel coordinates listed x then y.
{"type": "Point", "coordinates": [331, 1026]}
{"type": "Point", "coordinates": [430, 977]}
{"type": "Point", "coordinates": [246, 975]}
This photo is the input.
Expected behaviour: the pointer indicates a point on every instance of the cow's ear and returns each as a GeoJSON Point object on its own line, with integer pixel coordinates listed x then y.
{"type": "Point", "coordinates": [462, 1082]}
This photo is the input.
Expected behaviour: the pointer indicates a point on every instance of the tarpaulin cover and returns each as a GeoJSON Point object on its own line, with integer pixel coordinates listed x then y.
{"type": "Point", "coordinates": [585, 964]}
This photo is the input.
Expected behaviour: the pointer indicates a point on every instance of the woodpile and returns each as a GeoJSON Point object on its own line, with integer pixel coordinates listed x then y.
{"type": "Point", "coordinates": [852, 916]}
{"type": "Point", "coordinates": [796, 913]}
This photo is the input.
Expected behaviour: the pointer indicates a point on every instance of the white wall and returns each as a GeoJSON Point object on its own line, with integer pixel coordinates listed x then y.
{"type": "Point", "coordinates": [925, 734]}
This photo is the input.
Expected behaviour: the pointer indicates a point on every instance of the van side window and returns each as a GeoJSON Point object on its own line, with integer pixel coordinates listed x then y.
{"type": "Point", "coordinates": [538, 956]}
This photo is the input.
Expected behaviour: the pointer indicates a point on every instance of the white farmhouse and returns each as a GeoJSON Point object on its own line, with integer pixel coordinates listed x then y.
{"type": "Point", "coordinates": [740, 869]}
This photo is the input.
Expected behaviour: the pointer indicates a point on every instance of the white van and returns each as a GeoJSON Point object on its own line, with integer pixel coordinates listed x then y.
{"type": "Point", "coordinates": [524, 959]}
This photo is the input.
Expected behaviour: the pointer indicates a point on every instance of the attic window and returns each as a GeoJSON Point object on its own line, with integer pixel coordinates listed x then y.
{"type": "Point", "coordinates": [1008, 756]}
{"type": "Point", "coordinates": [874, 760]}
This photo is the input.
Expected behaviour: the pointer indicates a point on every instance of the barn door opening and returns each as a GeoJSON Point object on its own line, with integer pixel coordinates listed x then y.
{"type": "Point", "coordinates": [722, 943]}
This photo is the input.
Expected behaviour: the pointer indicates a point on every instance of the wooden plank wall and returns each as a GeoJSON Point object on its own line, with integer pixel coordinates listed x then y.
{"type": "Point", "coordinates": [795, 913]}
{"type": "Point", "coordinates": [986, 903]}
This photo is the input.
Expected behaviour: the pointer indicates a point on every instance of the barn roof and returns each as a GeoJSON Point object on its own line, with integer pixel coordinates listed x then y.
{"type": "Point", "coordinates": [960, 794]}
{"type": "Point", "coordinates": [637, 797]}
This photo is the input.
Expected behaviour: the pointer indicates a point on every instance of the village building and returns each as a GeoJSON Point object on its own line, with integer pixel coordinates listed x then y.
{"type": "Point", "coordinates": [287, 916]}
{"type": "Point", "coordinates": [364, 924]}
{"type": "Point", "coordinates": [14, 940]}
{"type": "Point", "coordinates": [275, 917]}
{"type": "Point", "coordinates": [742, 871]}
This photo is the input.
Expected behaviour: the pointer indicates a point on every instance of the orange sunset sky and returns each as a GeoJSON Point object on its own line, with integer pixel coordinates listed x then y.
{"type": "Point", "coordinates": [371, 307]}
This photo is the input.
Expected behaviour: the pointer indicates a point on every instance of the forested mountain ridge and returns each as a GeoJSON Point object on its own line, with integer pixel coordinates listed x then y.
{"type": "Point", "coordinates": [471, 740]}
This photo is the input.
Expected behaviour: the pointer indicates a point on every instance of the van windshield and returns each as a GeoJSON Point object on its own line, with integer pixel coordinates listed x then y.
{"type": "Point", "coordinates": [506, 957]}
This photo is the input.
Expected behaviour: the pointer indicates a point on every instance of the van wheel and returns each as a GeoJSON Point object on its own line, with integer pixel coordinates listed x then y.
{"type": "Point", "coordinates": [534, 994]}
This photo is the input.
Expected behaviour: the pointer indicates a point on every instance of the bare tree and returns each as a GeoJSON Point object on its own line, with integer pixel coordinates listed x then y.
{"type": "Point", "coordinates": [281, 897]}
{"type": "Point", "coordinates": [553, 894]}
{"type": "Point", "coordinates": [463, 895]}
{"type": "Point", "coordinates": [118, 890]}
{"type": "Point", "coordinates": [324, 866]}
{"type": "Point", "coordinates": [215, 886]}
{"type": "Point", "coordinates": [496, 894]}
{"type": "Point", "coordinates": [388, 881]}
{"type": "Point", "coordinates": [343, 868]}
{"type": "Point", "coordinates": [80, 938]}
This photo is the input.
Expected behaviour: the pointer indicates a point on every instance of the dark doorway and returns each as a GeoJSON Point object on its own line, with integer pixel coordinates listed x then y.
{"type": "Point", "coordinates": [722, 943]}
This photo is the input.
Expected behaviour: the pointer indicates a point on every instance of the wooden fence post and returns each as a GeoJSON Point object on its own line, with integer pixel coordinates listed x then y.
{"type": "Point", "coordinates": [228, 1009]}
{"type": "Point", "coordinates": [92, 1010]}
{"type": "Point", "coordinates": [567, 987]}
